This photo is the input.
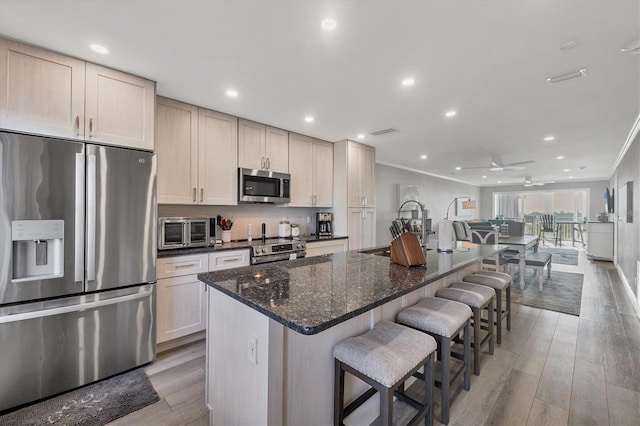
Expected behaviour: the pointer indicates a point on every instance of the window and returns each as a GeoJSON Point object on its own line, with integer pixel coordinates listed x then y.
{"type": "Point", "coordinates": [564, 204]}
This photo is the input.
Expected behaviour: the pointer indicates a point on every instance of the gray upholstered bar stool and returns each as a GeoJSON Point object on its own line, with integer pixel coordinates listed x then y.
{"type": "Point", "coordinates": [500, 282]}
{"type": "Point", "coordinates": [385, 357]}
{"type": "Point", "coordinates": [478, 298]}
{"type": "Point", "coordinates": [444, 319]}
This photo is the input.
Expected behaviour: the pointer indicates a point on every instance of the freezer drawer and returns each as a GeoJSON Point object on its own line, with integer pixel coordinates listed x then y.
{"type": "Point", "coordinates": [61, 344]}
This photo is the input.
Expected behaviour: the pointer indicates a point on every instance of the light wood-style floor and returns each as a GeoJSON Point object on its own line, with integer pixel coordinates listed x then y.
{"type": "Point", "coordinates": [551, 368]}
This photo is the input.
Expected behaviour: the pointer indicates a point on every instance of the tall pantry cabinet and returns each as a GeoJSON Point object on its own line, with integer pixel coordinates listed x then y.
{"type": "Point", "coordinates": [354, 193]}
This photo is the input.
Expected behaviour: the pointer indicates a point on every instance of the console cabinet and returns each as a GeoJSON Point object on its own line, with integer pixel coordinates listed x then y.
{"type": "Point", "coordinates": [52, 94]}
{"type": "Point", "coordinates": [600, 240]}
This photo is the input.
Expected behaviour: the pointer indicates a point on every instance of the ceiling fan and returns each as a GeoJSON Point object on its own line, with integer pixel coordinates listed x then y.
{"type": "Point", "coordinates": [529, 182]}
{"type": "Point", "coordinates": [496, 165]}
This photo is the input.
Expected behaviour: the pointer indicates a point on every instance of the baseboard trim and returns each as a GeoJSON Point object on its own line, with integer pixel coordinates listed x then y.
{"type": "Point", "coordinates": [629, 290]}
{"type": "Point", "coordinates": [181, 341]}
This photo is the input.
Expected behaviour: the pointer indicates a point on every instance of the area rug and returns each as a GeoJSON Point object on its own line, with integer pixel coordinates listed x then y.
{"type": "Point", "coordinates": [563, 256]}
{"type": "Point", "coordinates": [94, 404]}
{"type": "Point", "coordinates": [562, 292]}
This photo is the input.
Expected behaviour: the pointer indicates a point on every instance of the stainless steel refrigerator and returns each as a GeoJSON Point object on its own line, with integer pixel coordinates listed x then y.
{"type": "Point", "coordinates": [77, 264]}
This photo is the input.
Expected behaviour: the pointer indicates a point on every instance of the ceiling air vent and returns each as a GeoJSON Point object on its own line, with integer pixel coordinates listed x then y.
{"type": "Point", "coordinates": [383, 131]}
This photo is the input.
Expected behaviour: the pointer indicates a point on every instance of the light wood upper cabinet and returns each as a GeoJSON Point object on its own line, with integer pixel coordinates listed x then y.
{"type": "Point", "coordinates": [310, 186]}
{"type": "Point", "coordinates": [218, 158]}
{"type": "Point", "coordinates": [41, 91]}
{"type": "Point", "coordinates": [119, 108]}
{"type": "Point", "coordinates": [277, 149]}
{"type": "Point", "coordinates": [197, 162]}
{"type": "Point", "coordinates": [301, 186]}
{"type": "Point", "coordinates": [52, 94]}
{"type": "Point", "coordinates": [177, 149]}
{"type": "Point", "coordinates": [361, 162]}
{"type": "Point", "coordinates": [322, 173]}
{"type": "Point", "coordinates": [262, 147]}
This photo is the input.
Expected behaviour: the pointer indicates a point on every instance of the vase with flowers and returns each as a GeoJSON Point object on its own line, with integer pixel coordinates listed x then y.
{"type": "Point", "coordinates": [225, 224]}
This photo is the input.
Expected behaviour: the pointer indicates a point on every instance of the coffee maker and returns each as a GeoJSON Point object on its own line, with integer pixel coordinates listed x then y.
{"type": "Point", "coordinates": [324, 224]}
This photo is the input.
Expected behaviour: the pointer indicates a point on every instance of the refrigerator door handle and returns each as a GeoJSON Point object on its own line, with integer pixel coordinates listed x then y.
{"type": "Point", "coordinates": [73, 308]}
{"type": "Point", "coordinates": [91, 217]}
{"type": "Point", "coordinates": [79, 220]}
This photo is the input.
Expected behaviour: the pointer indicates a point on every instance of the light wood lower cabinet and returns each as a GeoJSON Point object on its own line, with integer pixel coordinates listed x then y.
{"type": "Point", "coordinates": [181, 299]}
{"type": "Point", "coordinates": [361, 228]}
{"type": "Point", "coordinates": [318, 248]}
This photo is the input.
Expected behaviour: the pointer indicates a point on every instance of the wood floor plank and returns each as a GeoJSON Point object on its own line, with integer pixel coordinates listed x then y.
{"type": "Point", "coordinates": [187, 395]}
{"type": "Point", "coordinates": [631, 325]}
{"type": "Point", "coordinates": [148, 413]}
{"type": "Point", "coordinates": [543, 414]}
{"type": "Point", "coordinates": [170, 385]}
{"type": "Point", "coordinates": [625, 307]}
{"type": "Point", "coordinates": [567, 328]}
{"type": "Point", "coordinates": [590, 343]}
{"type": "Point", "coordinates": [184, 414]}
{"type": "Point", "coordinates": [556, 379]}
{"type": "Point", "coordinates": [533, 356]}
{"type": "Point", "coordinates": [620, 367]}
{"type": "Point", "coordinates": [174, 357]}
{"type": "Point", "coordinates": [515, 399]}
{"type": "Point", "coordinates": [624, 406]}
{"type": "Point", "coordinates": [588, 407]}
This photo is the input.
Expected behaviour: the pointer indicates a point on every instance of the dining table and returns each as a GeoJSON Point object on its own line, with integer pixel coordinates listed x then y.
{"type": "Point", "coordinates": [521, 244]}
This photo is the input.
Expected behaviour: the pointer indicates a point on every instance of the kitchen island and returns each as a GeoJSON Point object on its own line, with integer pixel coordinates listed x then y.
{"type": "Point", "coordinates": [271, 328]}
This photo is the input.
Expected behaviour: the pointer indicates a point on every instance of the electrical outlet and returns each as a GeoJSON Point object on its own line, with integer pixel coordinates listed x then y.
{"type": "Point", "coordinates": [252, 349]}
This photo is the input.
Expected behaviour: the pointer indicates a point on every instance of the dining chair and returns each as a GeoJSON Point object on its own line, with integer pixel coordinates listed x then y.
{"type": "Point", "coordinates": [548, 224]}
{"type": "Point", "coordinates": [530, 224]}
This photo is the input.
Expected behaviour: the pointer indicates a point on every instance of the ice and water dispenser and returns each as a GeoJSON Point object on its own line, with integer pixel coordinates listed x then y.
{"type": "Point", "coordinates": [38, 249]}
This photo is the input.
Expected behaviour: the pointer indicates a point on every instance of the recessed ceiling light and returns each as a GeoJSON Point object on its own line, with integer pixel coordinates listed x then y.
{"type": "Point", "coordinates": [408, 82]}
{"type": "Point", "coordinates": [569, 76]}
{"type": "Point", "coordinates": [309, 119]}
{"type": "Point", "coordinates": [560, 157]}
{"type": "Point", "coordinates": [99, 49]}
{"type": "Point", "coordinates": [360, 135]}
{"type": "Point", "coordinates": [423, 157]}
{"type": "Point", "coordinates": [458, 168]}
{"type": "Point", "coordinates": [568, 45]}
{"type": "Point", "coordinates": [566, 170]}
{"type": "Point", "coordinates": [499, 181]}
{"type": "Point", "coordinates": [232, 93]}
{"type": "Point", "coordinates": [570, 177]}
{"type": "Point", "coordinates": [549, 138]}
{"type": "Point", "coordinates": [484, 177]}
{"type": "Point", "coordinates": [329, 24]}
{"type": "Point", "coordinates": [450, 114]}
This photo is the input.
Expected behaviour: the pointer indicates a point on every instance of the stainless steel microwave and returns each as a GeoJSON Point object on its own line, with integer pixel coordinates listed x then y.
{"type": "Point", "coordinates": [260, 186]}
{"type": "Point", "coordinates": [181, 232]}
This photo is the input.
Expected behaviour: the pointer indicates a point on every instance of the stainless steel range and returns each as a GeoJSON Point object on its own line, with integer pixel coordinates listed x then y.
{"type": "Point", "coordinates": [273, 251]}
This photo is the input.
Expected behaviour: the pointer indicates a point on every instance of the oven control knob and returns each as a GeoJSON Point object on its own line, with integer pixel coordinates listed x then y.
{"type": "Point", "coordinates": [258, 250]}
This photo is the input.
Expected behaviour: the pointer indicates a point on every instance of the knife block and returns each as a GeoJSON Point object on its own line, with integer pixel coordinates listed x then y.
{"type": "Point", "coordinates": [406, 250]}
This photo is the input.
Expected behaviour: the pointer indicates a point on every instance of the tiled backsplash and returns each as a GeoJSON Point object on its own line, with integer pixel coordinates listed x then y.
{"type": "Point", "coordinates": [245, 214]}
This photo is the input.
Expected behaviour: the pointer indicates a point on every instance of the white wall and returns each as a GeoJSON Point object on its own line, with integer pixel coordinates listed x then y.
{"type": "Point", "coordinates": [596, 197]}
{"type": "Point", "coordinates": [436, 193]}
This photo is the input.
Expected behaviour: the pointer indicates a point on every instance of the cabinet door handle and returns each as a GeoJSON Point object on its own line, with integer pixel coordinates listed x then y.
{"type": "Point", "coordinates": [190, 265]}
{"type": "Point", "coordinates": [365, 201]}
{"type": "Point", "coordinates": [77, 125]}
{"type": "Point", "coordinates": [268, 163]}
{"type": "Point", "coordinates": [201, 194]}
{"type": "Point", "coordinates": [91, 127]}
{"type": "Point", "coordinates": [314, 200]}
{"type": "Point", "coordinates": [194, 194]}
{"type": "Point", "coordinates": [235, 259]}
{"type": "Point", "coordinates": [262, 163]}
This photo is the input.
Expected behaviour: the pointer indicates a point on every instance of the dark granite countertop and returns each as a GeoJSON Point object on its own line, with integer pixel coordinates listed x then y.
{"type": "Point", "coordinates": [312, 294]}
{"type": "Point", "coordinates": [235, 245]}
